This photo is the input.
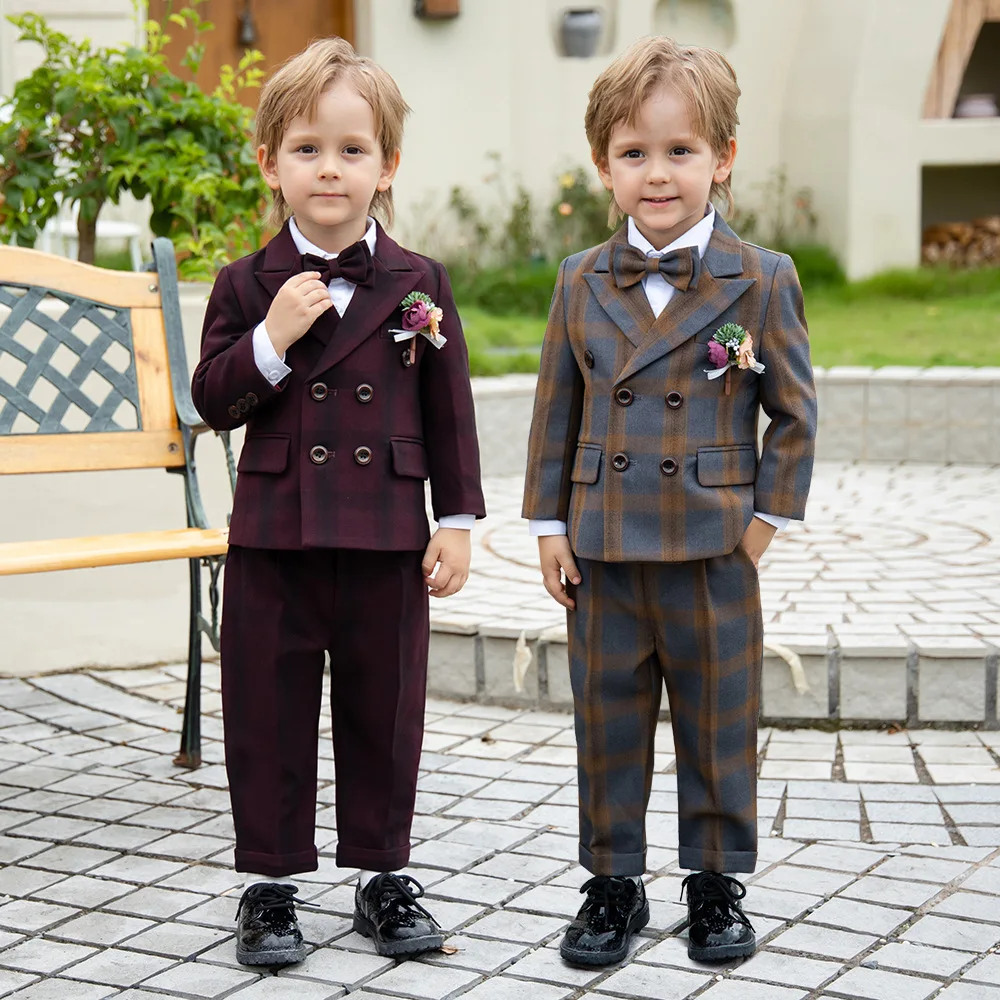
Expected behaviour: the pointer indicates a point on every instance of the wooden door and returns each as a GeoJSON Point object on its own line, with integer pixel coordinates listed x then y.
{"type": "Point", "coordinates": [282, 28]}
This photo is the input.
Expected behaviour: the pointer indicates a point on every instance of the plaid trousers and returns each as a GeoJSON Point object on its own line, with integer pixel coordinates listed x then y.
{"type": "Point", "coordinates": [697, 625]}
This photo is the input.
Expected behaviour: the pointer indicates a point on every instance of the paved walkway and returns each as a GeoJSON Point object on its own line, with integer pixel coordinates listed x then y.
{"type": "Point", "coordinates": [887, 553]}
{"type": "Point", "coordinates": [879, 876]}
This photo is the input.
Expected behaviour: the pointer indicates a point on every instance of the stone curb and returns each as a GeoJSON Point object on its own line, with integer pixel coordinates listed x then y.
{"type": "Point", "coordinates": [875, 685]}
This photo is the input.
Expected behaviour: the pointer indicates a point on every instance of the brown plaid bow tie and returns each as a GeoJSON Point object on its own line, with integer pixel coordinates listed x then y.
{"type": "Point", "coordinates": [680, 267]}
{"type": "Point", "coordinates": [354, 264]}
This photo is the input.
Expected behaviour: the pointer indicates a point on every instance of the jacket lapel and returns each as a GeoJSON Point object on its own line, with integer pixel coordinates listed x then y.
{"type": "Point", "coordinates": [688, 313]}
{"type": "Point", "coordinates": [627, 308]}
{"type": "Point", "coordinates": [281, 260]}
{"type": "Point", "coordinates": [370, 307]}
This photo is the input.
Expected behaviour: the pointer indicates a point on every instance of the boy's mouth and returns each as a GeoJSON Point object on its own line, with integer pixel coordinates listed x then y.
{"type": "Point", "coordinates": [660, 200]}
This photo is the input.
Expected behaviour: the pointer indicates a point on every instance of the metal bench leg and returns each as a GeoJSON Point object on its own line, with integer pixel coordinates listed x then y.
{"type": "Point", "coordinates": [190, 753]}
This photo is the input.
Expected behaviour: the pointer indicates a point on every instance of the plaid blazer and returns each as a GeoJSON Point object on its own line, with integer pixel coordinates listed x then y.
{"type": "Point", "coordinates": [633, 445]}
{"type": "Point", "coordinates": [337, 453]}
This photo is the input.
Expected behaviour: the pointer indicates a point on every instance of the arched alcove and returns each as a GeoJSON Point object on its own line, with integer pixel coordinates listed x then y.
{"type": "Point", "coordinates": [968, 60]}
{"type": "Point", "coordinates": [697, 22]}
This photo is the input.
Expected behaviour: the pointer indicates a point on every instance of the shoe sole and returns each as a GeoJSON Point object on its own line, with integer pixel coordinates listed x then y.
{"type": "Point", "coordinates": [582, 957]}
{"type": "Point", "coordinates": [722, 953]}
{"type": "Point", "coordinates": [284, 956]}
{"type": "Point", "coordinates": [392, 949]}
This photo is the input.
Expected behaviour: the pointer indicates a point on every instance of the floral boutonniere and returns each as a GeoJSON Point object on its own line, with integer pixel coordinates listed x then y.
{"type": "Point", "coordinates": [731, 345]}
{"type": "Point", "coordinates": [420, 315]}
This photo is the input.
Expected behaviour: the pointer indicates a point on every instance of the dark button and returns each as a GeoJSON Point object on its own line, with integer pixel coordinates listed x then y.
{"type": "Point", "coordinates": [624, 397]}
{"type": "Point", "coordinates": [668, 467]}
{"type": "Point", "coordinates": [620, 462]}
{"type": "Point", "coordinates": [407, 360]}
{"type": "Point", "coordinates": [243, 406]}
{"type": "Point", "coordinates": [588, 359]}
{"type": "Point", "coordinates": [674, 400]}
{"type": "Point", "coordinates": [234, 413]}
{"type": "Point", "coordinates": [252, 398]}
{"type": "Point", "coordinates": [319, 391]}
{"type": "Point", "coordinates": [318, 454]}
{"type": "Point", "coordinates": [364, 392]}
{"type": "Point", "coordinates": [362, 455]}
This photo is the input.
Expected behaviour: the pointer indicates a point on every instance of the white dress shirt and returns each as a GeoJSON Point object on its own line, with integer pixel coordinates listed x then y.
{"type": "Point", "coordinates": [274, 368]}
{"type": "Point", "coordinates": [659, 292]}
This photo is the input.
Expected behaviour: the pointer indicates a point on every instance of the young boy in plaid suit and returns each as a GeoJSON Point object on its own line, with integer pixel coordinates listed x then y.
{"type": "Point", "coordinates": [354, 388]}
{"type": "Point", "coordinates": [648, 497]}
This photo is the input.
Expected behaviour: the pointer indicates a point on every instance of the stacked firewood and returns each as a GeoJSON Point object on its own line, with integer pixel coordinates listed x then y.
{"type": "Point", "coordinates": [963, 244]}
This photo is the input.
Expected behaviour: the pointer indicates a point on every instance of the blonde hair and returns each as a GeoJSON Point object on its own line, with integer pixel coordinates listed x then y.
{"type": "Point", "coordinates": [297, 86]}
{"type": "Point", "coordinates": [703, 78]}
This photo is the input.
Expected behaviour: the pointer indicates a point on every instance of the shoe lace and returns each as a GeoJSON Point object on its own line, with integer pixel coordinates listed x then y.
{"type": "Point", "coordinates": [606, 893]}
{"type": "Point", "coordinates": [391, 890]}
{"type": "Point", "coordinates": [715, 899]}
{"type": "Point", "coordinates": [268, 896]}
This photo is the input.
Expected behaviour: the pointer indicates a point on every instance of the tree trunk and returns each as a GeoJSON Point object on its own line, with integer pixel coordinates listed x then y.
{"type": "Point", "coordinates": [86, 231]}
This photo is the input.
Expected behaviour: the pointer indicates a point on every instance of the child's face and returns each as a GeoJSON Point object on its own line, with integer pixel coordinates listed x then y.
{"type": "Point", "coordinates": [329, 167]}
{"type": "Point", "coordinates": [661, 173]}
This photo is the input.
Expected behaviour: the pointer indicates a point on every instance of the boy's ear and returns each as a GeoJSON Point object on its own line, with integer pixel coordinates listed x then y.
{"type": "Point", "coordinates": [725, 162]}
{"type": "Point", "coordinates": [388, 175]}
{"type": "Point", "coordinates": [268, 168]}
{"type": "Point", "coordinates": [603, 169]}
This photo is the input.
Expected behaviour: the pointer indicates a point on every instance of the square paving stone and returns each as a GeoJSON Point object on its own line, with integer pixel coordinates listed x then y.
{"type": "Point", "coordinates": [83, 891]}
{"type": "Point", "coordinates": [778, 902]}
{"type": "Point", "coordinates": [198, 979]}
{"type": "Point", "coordinates": [908, 957]}
{"type": "Point", "coordinates": [506, 988]}
{"type": "Point", "coordinates": [152, 901]}
{"type": "Point", "coordinates": [787, 970]}
{"type": "Point", "coordinates": [13, 849]}
{"type": "Point", "coordinates": [811, 881]}
{"type": "Point", "coordinates": [71, 859]}
{"type": "Point", "coordinates": [63, 989]}
{"type": "Point", "coordinates": [821, 829]}
{"type": "Point", "coordinates": [100, 928]}
{"type": "Point", "coordinates": [850, 915]}
{"type": "Point", "coordinates": [824, 942]}
{"type": "Point", "coordinates": [971, 905]}
{"type": "Point", "coordinates": [562, 901]}
{"type": "Point", "coordinates": [509, 925]}
{"type": "Point", "coordinates": [959, 935]}
{"type": "Point", "coordinates": [986, 971]}
{"type": "Point", "coordinates": [31, 916]}
{"type": "Point", "coordinates": [477, 888]}
{"type": "Point", "coordinates": [731, 989]}
{"type": "Point", "coordinates": [17, 881]}
{"type": "Point", "coordinates": [415, 979]}
{"type": "Point", "coordinates": [922, 869]}
{"type": "Point", "coordinates": [520, 867]}
{"type": "Point", "coordinates": [40, 955]}
{"type": "Point", "coordinates": [139, 870]}
{"type": "Point", "coordinates": [875, 984]}
{"type": "Point", "coordinates": [177, 940]}
{"type": "Point", "coordinates": [893, 892]}
{"type": "Point", "coordinates": [654, 983]}
{"type": "Point", "coordinates": [969, 991]}
{"type": "Point", "coordinates": [118, 968]}
{"type": "Point", "coordinates": [910, 833]}
{"type": "Point", "coordinates": [842, 859]}
{"type": "Point", "coordinates": [10, 981]}
{"type": "Point", "coordinates": [547, 965]}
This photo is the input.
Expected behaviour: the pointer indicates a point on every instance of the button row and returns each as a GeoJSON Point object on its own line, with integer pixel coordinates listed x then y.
{"type": "Point", "coordinates": [320, 390]}
{"type": "Point", "coordinates": [620, 462]}
{"type": "Point", "coordinates": [243, 405]}
{"type": "Point", "coordinates": [319, 455]}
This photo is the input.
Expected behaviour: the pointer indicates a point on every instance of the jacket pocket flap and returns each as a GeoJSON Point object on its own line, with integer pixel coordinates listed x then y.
{"type": "Point", "coordinates": [264, 453]}
{"type": "Point", "coordinates": [409, 457]}
{"type": "Point", "coordinates": [727, 465]}
{"type": "Point", "coordinates": [587, 465]}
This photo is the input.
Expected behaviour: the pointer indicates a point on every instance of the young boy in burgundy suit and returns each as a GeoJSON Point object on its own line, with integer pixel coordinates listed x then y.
{"type": "Point", "coordinates": [343, 356]}
{"type": "Point", "coordinates": [645, 488]}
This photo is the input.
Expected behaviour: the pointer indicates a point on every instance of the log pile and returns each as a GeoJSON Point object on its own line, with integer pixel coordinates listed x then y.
{"type": "Point", "coordinates": [963, 244]}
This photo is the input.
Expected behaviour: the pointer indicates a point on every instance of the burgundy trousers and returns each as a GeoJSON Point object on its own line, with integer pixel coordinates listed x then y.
{"type": "Point", "coordinates": [281, 611]}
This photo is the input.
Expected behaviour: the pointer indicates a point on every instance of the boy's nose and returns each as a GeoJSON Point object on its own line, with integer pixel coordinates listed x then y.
{"type": "Point", "coordinates": [329, 168]}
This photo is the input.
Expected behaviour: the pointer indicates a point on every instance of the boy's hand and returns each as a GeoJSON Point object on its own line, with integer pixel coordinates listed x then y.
{"type": "Point", "coordinates": [298, 304]}
{"type": "Point", "coordinates": [555, 555]}
{"type": "Point", "coordinates": [757, 538]}
{"type": "Point", "coordinates": [450, 550]}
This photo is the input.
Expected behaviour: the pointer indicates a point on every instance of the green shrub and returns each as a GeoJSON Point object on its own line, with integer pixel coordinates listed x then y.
{"type": "Point", "coordinates": [816, 265]}
{"type": "Point", "coordinates": [519, 290]}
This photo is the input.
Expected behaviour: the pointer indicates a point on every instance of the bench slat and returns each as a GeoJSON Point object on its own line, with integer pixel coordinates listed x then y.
{"type": "Point", "coordinates": [22, 453]}
{"type": "Point", "coordinates": [110, 550]}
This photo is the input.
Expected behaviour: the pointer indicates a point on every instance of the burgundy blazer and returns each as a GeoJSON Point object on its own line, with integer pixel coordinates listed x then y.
{"type": "Point", "coordinates": [337, 453]}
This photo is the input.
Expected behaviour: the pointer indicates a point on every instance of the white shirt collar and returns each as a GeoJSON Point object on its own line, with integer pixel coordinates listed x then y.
{"type": "Point", "coordinates": [305, 246]}
{"type": "Point", "coordinates": [697, 236]}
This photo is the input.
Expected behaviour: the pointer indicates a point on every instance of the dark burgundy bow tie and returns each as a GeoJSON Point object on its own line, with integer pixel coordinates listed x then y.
{"type": "Point", "coordinates": [354, 264]}
{"type": "Point", "coordinates": [680, 267]}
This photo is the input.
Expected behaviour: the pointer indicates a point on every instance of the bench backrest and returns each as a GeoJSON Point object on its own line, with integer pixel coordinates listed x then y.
{"type": "Point", "coordinates": [85, 365]}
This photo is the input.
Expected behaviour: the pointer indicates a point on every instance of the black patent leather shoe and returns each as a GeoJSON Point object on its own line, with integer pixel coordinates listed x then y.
{"type": "Point", "coordinates": [718, 929]}
{"type": "Point", "coordinates": [386, 910]}
{"type": "Point", "coordinates": [615, 909]}
{"type": "Point", "coordinates": [267, 932]}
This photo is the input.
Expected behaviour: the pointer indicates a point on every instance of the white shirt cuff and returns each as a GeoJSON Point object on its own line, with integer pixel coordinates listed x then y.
{"type": "Point", "coordinates": [538, 528]}
{"type": "Point", "coordinates": [773, 519]}
{"type": "Point", "coordinates": [266, 358]}
{"type": "Point", "coordinates": [465, 522]}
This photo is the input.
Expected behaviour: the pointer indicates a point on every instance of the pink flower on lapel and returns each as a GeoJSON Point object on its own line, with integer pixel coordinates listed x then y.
{"type": "Point", "coordinates": [416, 316]}
{"type": "Point", "coordinates": [717, 354]}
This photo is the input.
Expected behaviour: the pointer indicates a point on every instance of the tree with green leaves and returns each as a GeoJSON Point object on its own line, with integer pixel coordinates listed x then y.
{"type": "Point", "coordinates": [90, 124]}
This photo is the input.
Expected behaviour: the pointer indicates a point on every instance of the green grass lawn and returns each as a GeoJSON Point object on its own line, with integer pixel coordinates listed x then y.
{"type": "Point", "coordinates": [918, 318]}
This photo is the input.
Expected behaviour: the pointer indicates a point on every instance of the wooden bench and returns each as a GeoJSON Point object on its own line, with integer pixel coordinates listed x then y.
{"type": "Point", "coordinates": [120, 400]}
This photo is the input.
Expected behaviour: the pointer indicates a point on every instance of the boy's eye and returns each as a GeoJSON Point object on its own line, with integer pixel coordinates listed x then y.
{"type": "Point", "coordinates": [633, 154]}
{"type": "Point", "coordinates": [306, 148]}
{"type": "Point", "coordinates": [353, 150]}
{"type": "Point", "coordinates": [679, 151]}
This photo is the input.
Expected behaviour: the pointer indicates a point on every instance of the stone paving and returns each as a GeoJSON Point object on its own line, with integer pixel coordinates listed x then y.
{"type": "Point", "coordinates": [879, 876]}
{"type": "Point", "coordinates": [889, 554]}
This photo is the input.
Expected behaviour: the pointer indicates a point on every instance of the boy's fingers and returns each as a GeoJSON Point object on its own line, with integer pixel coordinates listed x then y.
{"type": "Point", "coordinates": [569, 568]}
{"type": "Point", "coordinates": [442, 578]}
